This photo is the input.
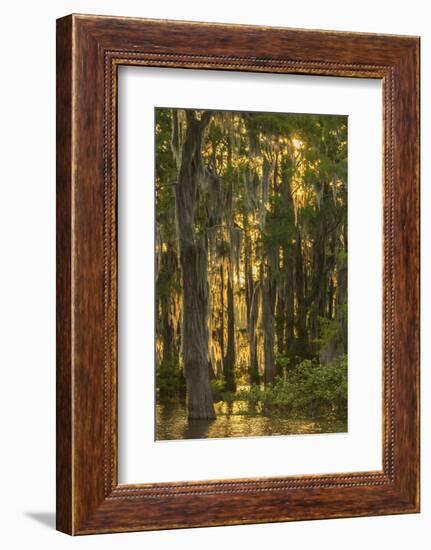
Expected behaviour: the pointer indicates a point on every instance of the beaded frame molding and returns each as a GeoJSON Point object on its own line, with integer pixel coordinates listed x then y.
{"type": "Point", "coordinates": [89, 51]}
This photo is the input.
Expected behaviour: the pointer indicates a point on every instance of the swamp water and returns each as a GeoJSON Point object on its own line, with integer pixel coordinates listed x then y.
{"type": "Point", "coordinates": [237, 419]}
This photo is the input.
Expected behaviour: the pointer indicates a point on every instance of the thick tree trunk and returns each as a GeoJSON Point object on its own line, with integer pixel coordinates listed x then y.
{"type": "Point", "coordinates": [288, 260]}
{"type": "Point", "coordinates": [290, 297]}
{"type": "Point", "coordinates": [222, 310]}
{"type": "Point", "coordinates": [194, 266]}
{"type": "Point", "coordinates": [338, 344]}
{"type": "Point", "coordinates": [167, 275]}
{"type": "Point", "coordinates": [342, 303]}
{"type": "Point", "coordinates": [280, 316]}
{"type": "Point", "coordinates": [319, 281]}
{"type": "Point", "coordinates": [229, 359]}
{"type": "Point", "coordinates": [195, 332]}
{"type": "Point", "coordinates": [247, 267]}
{"type": "Point", "coordinates": [301, 313]}
{"type": "Point", "coordinates": [252, 291]}
{"type": "Point", "coordinates": [168, 340]}
{"type": "Point", "coordinates": [268, 305]}
{"type": "Point", "coordinates": [254, 313]}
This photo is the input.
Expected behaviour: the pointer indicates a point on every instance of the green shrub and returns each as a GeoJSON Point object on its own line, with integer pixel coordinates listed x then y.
{"type": "Point", "coordinates": [217, 387]}
{"type": "Point", "coordinates": [255, 394]}
{"type": "Point", "coordinates": [320, 389]}
{"type": "Point", "coordinates": [309, 389]}
{"type": "Point", "coordinates": [170, 381]}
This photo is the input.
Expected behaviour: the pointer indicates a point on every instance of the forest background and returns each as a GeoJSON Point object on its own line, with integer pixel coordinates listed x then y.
{"type": "Point", "coordinates": [251, 269]}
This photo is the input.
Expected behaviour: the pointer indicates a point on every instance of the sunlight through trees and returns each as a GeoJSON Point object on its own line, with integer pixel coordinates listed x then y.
{"type": "Point", "coordinates": [251, 260]}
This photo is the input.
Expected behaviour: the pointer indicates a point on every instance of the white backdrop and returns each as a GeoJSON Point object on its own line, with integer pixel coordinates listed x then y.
{"type": "Point", "coordinates": [27, 312]}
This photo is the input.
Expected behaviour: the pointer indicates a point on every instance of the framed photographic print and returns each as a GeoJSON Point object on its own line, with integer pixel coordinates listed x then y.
{"type": "Point", "coordinates": [237, 274]}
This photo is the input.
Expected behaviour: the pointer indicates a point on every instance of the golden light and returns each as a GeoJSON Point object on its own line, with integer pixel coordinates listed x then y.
{"type": "Point", "coordinates": [297, 143]}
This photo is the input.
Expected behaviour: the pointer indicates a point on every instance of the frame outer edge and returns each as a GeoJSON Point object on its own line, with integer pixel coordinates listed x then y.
{"type": "Point", "coordinates": [81, 507]}
{"type": "Point", "coordinates": [407, 272]}
{"type": "Point", "coordinates": [64, 367]}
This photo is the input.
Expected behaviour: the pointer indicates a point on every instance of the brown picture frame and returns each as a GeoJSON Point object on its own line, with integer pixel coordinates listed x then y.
{"type": "Point", "coordinates": [89, 51]}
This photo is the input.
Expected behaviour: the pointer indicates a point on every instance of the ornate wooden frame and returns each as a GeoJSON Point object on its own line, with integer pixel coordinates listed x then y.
{"type": "Point", "coordinates": [89, 51]}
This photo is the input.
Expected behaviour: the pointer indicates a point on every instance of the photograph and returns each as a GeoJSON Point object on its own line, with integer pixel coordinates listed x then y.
{"type": "Point", "coordinates": [251, 272]}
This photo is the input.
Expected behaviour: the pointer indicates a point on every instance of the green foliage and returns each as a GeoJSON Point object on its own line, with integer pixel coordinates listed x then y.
{"type": "Point", "coordinates": [170, 382]}
{"type": "Point", "coordinates": [165, 176]}
{"type": "Point", "coordinates": [255, 395]}
{"type": "Point", "coordinates": [283, 361]}
{"type": "Point", "coordinates": [217, 385]}
{"type": "Point", "coordinates": [309, 389]}
{"type": "Point", "coordinates": [342, 257]}
{"type": "Point", "coordinates": [331, 328]}
{"type": "Point", "coordinates": [217, 388]}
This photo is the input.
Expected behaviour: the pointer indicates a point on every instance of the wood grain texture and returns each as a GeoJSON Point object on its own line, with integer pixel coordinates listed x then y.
{"type": "Point", "coordinates": [90, 49]}
{"type": "Point", "coordinates": [64, 496]}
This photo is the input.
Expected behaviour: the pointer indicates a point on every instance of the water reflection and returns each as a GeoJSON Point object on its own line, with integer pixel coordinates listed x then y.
{"type": "Point", "coordinates": [236, 419]}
